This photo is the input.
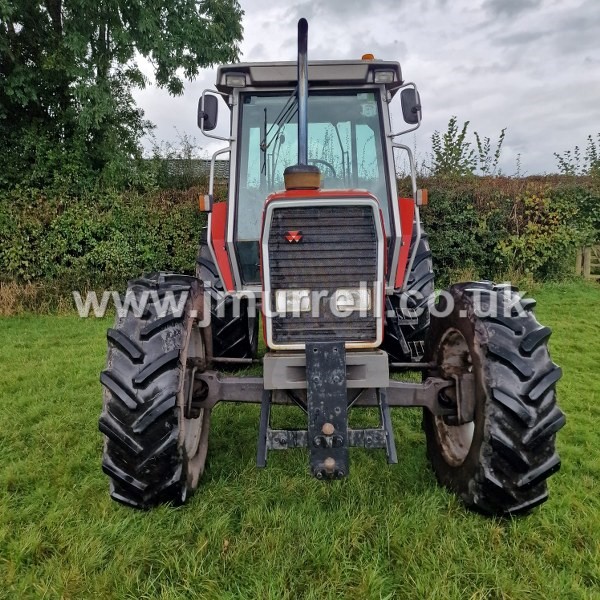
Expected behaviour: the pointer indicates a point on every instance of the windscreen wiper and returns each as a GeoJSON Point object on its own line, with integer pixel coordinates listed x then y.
{"type": "Point", "coordinates": [287, 113]}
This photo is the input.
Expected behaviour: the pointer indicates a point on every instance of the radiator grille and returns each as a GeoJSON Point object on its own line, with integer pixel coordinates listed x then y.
{"type": "Point", "coordinates": [338, 249]}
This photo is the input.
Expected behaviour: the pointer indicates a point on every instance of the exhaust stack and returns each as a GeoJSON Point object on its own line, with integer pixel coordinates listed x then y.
{"type": "Point", "coordinates": [302, 92]}
{"type": "Point", "coordinates": [302, 176]}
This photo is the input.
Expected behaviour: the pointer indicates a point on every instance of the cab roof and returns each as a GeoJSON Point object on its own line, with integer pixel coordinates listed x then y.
{"type": "Point", "coordinates": [320, 72]}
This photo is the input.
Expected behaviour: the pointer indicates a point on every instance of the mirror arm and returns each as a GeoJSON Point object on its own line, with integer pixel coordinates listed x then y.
{"type": "Point", "coordinates": [206, 133]}
{"type": "Point", "coordinates": [415, 127]}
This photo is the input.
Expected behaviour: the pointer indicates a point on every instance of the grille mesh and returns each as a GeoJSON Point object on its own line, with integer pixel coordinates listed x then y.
{"type": "Point", "coordinates": [338, 250]}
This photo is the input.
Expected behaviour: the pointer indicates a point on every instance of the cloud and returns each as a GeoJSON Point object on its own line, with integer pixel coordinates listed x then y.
{"type": "Point", "coordinates": [259, 51]}
{"type": "Point", "coordinates": [510, 8]}
{"type": "Point", "coordinates": [577, 32]}
{"type": "Point", "coordinates": [520, 38]}
{"type": "Point", "coordinates": [348, 8]}
{"type": "Point", "coordinates": [531, 65]}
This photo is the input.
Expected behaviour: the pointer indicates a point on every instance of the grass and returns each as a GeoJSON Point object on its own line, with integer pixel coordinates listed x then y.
{"type": "Point", "coordinates": [385, 532]}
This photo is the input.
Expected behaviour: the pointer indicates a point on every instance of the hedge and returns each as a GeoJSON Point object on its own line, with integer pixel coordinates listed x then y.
{"type": "Point", "coordinates": [99, 241]}
{"type": "Point", "coordinates": [504, 227]}
{"type": "Point", "coordinates": [489, 226]}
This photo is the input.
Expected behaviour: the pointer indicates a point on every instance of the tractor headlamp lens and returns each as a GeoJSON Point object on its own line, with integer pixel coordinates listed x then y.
{"type": "Point", "coordinates": [235, 80]}
{"type": "Point", "coordinates": [348, 300]}
{"type": "Point", "coordinates": [292, 301]}
{"type": "Point", "coordinates": [381, 76]}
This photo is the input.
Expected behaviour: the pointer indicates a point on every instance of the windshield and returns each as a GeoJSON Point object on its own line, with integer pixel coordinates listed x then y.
{"type": "Point", "coordinates": [344, 141]}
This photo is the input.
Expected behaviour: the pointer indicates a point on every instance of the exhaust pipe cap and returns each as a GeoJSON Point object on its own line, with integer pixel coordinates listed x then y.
{"type": "Point", "coordinates": [302, 177]}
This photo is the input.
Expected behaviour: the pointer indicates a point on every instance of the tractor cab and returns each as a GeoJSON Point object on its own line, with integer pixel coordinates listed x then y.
{"type": "Point", "coordinates": [349, 139]}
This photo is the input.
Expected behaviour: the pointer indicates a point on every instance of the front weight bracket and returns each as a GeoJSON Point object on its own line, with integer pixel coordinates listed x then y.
{"type": "Point", "coordinates": [327, 407]}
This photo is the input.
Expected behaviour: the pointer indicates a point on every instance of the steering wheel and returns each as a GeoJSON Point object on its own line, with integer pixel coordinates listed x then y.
{"type": "Point", "coordinates": [323, 162]}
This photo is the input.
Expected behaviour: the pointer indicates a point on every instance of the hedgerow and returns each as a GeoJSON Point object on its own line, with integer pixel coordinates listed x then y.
{"type": "Point", "coordinates": [492, 227]}
{"type": "Point", "coordinates": [497, 227]}
{"type": "Point", "coordinates": [100, 240]}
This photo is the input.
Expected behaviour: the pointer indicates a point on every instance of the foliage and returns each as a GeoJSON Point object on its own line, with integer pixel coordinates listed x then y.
{"type": "Point", "coordinates": [178, 165]}
{"type": "Point", "coordinates": [463, 238]}
{"type": "Point", "coordinates": [490, 226]}
{"type": "Point", "coordinates": [99, 240]}
{"type": "Point", "coordinates": [544, 231]}
{"type": "Point", "coordinates": [571, 162]}
{"type": "Point", "coordinates": [488, 161]}
{"type": "Point", "coordinates": [67, 69]}
{"type": "Point", "coordinates": [453, 155]}
{"type": "Point", "coordinates": [494, 227]}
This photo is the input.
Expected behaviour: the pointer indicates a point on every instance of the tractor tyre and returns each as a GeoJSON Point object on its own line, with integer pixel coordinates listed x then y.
{"type": "Point", "coordinates": [156, 439]}
{"type": "Point", "coordinates": [234, 322]}
{"type": "Point", "coordinates": [412, 306]}
{"type": "Point", "coordinates": [499, 462]}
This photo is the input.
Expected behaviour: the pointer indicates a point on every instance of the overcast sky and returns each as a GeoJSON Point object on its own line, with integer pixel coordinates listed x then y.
{"type": "Point", "coordinates": [532, 66]}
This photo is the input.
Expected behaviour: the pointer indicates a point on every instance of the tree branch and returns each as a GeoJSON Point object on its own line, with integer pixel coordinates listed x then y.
{"type": "Point", "coordinates": [54, 8]}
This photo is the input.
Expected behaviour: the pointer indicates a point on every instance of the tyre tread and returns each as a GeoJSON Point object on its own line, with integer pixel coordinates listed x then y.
{"type": "Point", "coordinates": [517, 452]}
{"type": "Point", "coordinates": [140, 416]}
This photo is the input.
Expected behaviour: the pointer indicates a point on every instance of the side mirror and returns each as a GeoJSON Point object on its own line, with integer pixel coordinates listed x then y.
{"type": "Point", "coordinates": [411, 105]}
{"type": "Point", "coordinates": [207, 118]}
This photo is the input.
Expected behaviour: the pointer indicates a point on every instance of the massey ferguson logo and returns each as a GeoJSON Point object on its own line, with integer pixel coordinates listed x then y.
{"type": "Point", "coordinates": [293, 237]}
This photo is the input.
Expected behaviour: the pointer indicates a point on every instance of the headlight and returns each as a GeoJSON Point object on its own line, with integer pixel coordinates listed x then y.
{"type": "Point", "coordinates": [348, 300]}
{"type": "Point", "coordinates": [292, 301]}
{"type": "Point", "coordinates": [235, 80]}
{"type": "Point", "coordinates": [382, 76]}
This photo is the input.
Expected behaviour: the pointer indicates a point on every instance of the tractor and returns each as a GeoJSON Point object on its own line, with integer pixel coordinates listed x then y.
{"type": "Point", "coordinates": [315, 251]}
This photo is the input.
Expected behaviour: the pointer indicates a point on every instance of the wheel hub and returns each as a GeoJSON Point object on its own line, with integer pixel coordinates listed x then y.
{"type": "Point", "coordinates": [455, 359]}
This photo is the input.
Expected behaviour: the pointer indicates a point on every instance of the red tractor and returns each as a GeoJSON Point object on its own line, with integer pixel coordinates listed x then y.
{"type": "Point", "coordinates": [315, 244]}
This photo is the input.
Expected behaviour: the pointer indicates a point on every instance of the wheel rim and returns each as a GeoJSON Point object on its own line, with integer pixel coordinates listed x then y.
{"type": "Point", "coordinates": [193, 431]}
{"type": "Point", "coordinates": [455, 441]}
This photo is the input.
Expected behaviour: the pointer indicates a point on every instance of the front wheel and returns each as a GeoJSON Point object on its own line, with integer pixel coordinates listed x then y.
{"type": "Point", "coordinates": [499, 461]}
{"type": "Point", "coordinates": [155, 438]}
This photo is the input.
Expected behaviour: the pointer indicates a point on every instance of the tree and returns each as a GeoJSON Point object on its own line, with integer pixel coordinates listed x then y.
{"type": "Point", "coordinates": [488, 162]}
{"type": "Point", "coordinates": [67, 69]}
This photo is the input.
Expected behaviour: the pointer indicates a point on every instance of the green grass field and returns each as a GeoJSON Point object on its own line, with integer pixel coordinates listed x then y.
{"type": "Point", "coordinates": [385, 532]}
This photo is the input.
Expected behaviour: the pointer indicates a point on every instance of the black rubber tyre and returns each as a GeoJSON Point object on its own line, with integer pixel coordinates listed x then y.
{"type": "Point", "coordinates": [498, 463]}
{"type": "Point", "coordinates": [234, 329]}
{"type": "Point", "coordinates": [411, 305]}
{"type": "Point", "coordinates": [153, 453]}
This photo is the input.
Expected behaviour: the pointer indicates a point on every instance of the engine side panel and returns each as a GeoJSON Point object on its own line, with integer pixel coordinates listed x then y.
{"type": "Point", "coordinates": [407, 215]}
{"type": "Point", "coordinates": [217, 244]}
